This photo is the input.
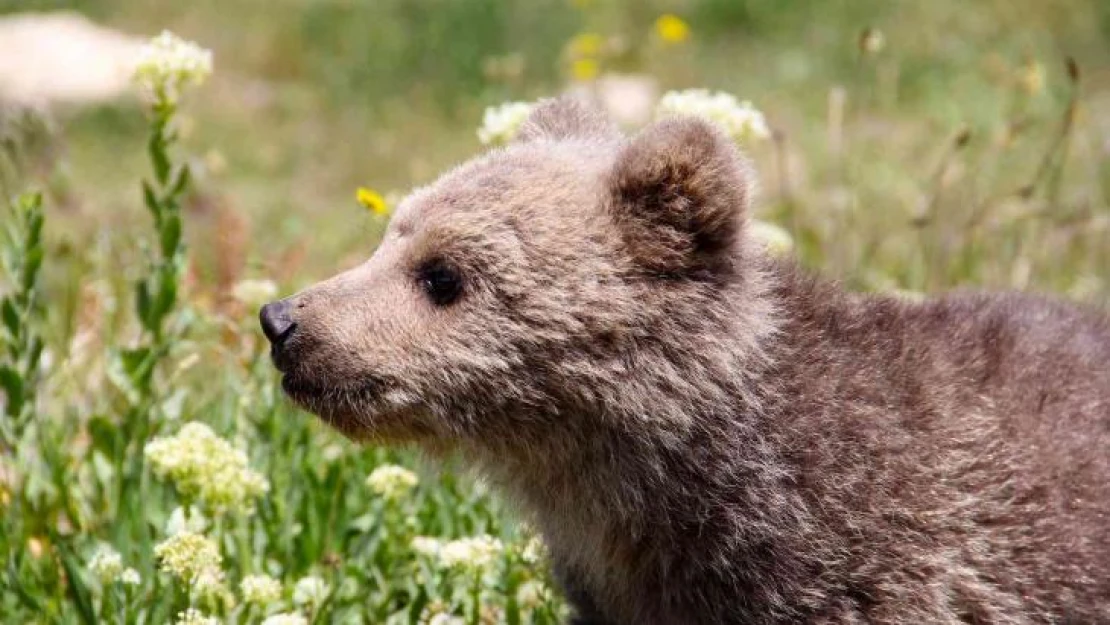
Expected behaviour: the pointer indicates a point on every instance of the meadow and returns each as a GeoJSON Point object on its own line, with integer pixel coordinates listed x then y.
{"type": "Point", "coordinates": [150, 469]}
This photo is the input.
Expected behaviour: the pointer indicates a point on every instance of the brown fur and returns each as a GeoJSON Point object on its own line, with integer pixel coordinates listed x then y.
{"type": "Point", "coordinates": [707, 435]}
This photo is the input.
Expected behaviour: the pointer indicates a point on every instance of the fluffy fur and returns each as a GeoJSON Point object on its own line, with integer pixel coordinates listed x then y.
{"type": "Point", "coordinates": [704, 434]}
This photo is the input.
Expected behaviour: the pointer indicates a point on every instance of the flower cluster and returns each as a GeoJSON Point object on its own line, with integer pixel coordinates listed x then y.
{"type": "Point", "coordinates": [501, 123]}
{"type": "Point", "coordinates": [474, 553]}
{"type": "Point", "coordinates": [310, 591]}
{"type": "Point", "coordinates": [193, 616]}
{"type": "Point", "coordinates": [107, 565]}
{"type": "Point", "coordinates": [207, 468]}
{"type": "Point", "coordinates": [169, 64]}
{"type": "Point", "coordinates": [740, 120]}
{"type": "Point", "coordinates": [190, 557]}
{"type": "Point", "coordinates": [260, 589]}
{"type": "Point", "coordinates": [391, 482]}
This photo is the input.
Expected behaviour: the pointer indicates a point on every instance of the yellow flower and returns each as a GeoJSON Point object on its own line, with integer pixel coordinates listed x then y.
{"type": "Point", "coordinates": [372, 201]}
{"type": "Point", "coordinates": [585, 69]}
{"type": "Point", "coordinates": [586, 45]}
{"type": "Point", "coordinates": [672, 28]}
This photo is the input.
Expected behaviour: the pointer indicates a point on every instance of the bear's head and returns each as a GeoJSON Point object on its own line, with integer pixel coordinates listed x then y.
{"type": "Point", "coordinates": [523, 290]}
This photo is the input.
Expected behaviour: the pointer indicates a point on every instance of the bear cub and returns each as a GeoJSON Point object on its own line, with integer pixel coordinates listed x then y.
{"type": "Point", "coordinates": [702, 433]}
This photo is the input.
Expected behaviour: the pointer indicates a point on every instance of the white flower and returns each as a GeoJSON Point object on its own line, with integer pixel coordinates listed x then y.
{"type": "Point", "coordinates": [774, 238]}
{"type": "Point", "coordinates": [168, 64]}
{"type": "Point", "coordinates": [188, 555]}
{"type": "Point", "coordinates": [130, 577]}
{"type": "Point", "coordinates": [285, 618]}
{"type": "Point", "coordinates": [260, 589]}
{"type": "Point", "coordinates": [437, 613]}
{"type": "Point", "coordinates": [206, 467]}
{"type": "Point", "coordinates": [254, 292]}
{"type": "Point", "coordinates": [501, 123]}
{"type": "Point", "coordinates": [740, 120]}
{"type": "Point", "coordinates": [106, 564]}
{"type": "Point", "coordinates": [180, 522]}
{"type": "Point", "coordinates": [426, 546]}
{"type": "Point", "coordinates": [471, 553]}
{"type": "Point", "coordinates": [193, 616]}
{"type": "Point", "coordinates": [532, 594]}
{"type": "Point", "coordinates": [310, 590]}
{"type": "Point", "coordinates": [391, 481]}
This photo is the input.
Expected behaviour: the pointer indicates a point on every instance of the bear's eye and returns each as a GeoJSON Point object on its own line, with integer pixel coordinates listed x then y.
{"type": "Point", "coordinates": [440, 281]}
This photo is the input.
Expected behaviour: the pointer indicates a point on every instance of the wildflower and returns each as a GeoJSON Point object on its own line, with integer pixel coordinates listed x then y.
{"type": "Point", "coordinates": [106, 564]}
{"type": "Point", "coordinates": [740, 120]}
{"type": "Point", "coordinates": [470, 553]}
{"type": "Point", "coordinates": [179, 522]}
{"type": "Point", "coordinates": [169, 64]}
{"type": "Point", "coordinates": [130, 577]}
{"type": "Point", "coordinates": [254, 292]}
{"type": "Point", "coordinates": [532, 594]}
{"type": "Point", "coordinates": [391, 481]}
{"type": "Point", "coordinates": [774, 238]}
{"type": "Point", "coordinates": [260, 589]}
{"type": "Point", "coordinates": [206, 467]}
{"type": "Point", "coordinates": [585, 45]}
{"type": "Point", "coordinates": [584, 70]}
{"type": "Point", "coordinates": [372, 201]}
{"type": "Point", "coordinates": [285, 618]}
{"type": "Point", "coordinates": [501, 123]}
{"type": "Point", "coordinates": [672, 29]}
{"type": "Point", "coordinates": [192, 616]}
{"type": "Point", "coordinates": [187, 555]}
{"type": "Point", "coordinates": [311, 591]}
{"type": "Point", "coordinates": [426, 546]}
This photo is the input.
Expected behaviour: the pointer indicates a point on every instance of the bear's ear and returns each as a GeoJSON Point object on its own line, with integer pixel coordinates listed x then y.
{"type": "Point", "coordinates": [678, 193]}
{"type": "Point", "coordinates": [565, 117]}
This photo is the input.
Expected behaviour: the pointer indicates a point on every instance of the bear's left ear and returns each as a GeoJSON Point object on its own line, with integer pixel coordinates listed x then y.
{"type": "Point", "coordinates": [565, 117]}
{"type": "Point", "coordinates": [678, 193]}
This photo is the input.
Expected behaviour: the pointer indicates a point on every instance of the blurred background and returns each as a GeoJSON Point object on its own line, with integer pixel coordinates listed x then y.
{"type": "Point", "coordinates": [917, 145]}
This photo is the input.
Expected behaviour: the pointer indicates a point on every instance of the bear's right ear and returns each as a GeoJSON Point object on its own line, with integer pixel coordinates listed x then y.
{"type": "Point", "coordinates": [565, 117]}
{"type": "Point", "coordinates": [678, 193]}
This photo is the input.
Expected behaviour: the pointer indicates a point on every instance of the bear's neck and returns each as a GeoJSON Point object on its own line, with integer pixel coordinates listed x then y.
{"type": "Point", "coordinates": [632, 480]}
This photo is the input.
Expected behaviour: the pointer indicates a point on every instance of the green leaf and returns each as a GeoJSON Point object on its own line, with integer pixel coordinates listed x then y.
{"type": "Point", "coordinates": [184, 177]}
{"type": "Point", "coordinates": [31, 263]}
{"type": "Point", "coordinates": [143, 303]}
{"type": "Point", "coordinates": [150, 198]}
{"type": "Point", "coordinates": [170, 234]}
{"type": "Point", "coordinates": [12, 384]}
{"type": "Point", "coordinates": [10, 316]}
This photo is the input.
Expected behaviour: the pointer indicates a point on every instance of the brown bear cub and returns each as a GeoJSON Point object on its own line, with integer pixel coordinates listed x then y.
{"type": "Point", "coordinates": [704, 434]}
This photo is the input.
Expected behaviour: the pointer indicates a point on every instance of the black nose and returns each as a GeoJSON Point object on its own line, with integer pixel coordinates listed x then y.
{"type": "Point", "coordinates": [276, 320]}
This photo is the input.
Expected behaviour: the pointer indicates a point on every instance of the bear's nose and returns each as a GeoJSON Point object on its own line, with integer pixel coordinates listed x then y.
{"type": "Point", "coordinates": [276, 320]}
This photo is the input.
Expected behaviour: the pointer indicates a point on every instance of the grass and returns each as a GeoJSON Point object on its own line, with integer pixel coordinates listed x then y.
{"type": "Point", "coordinates": [968, 151]}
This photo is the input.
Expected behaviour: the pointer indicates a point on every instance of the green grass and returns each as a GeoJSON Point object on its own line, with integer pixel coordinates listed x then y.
{"type": "Point", "coordinates": [932, 164]}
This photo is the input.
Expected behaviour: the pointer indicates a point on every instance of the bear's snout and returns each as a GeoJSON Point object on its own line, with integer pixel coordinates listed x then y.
{"type": "Point", "coordinates": [277, 324]}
